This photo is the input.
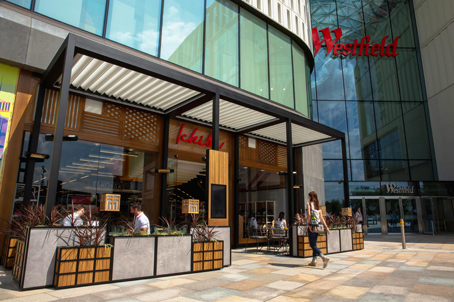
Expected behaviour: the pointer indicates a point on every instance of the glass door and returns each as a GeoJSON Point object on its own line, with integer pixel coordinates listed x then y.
{"type": "Point", "coordinates": [392, 215]}
{"type": "Point", "coordinates": [373, 216]}
{"type": "Point", "coordinates": [410, 215]}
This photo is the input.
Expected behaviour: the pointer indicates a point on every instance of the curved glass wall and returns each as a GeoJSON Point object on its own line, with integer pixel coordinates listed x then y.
{"type": "Point", "coordinates": [216, 38]}
{"type": "Point", "coordinates": [378, 102]}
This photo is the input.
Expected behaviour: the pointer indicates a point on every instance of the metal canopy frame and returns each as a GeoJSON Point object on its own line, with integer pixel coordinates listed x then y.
{"type": "Point", "coordinates": [209, 90]}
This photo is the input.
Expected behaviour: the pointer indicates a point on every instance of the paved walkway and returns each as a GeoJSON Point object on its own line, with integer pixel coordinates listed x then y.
{"type": "Point", "coordinates": [380, 272]}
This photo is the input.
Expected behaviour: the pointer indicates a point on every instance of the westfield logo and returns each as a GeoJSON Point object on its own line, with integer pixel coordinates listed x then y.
{"type": "Point", "coordinates": [356, 48]}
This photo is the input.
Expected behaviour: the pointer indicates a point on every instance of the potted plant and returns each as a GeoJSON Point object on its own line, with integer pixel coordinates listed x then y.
{"type": "Point", "coordinates": [89, 262]}
{"type": "Point", "coordinates": [207, 252]}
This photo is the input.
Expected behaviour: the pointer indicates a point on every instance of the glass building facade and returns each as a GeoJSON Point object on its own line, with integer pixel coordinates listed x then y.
{"type": "Point", "coordinates": [378, 102]}
{"type": "Point", "coordinates": [216, 38]}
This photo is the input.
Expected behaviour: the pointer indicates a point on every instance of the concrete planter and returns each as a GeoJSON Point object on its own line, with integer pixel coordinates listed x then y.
{"type": "Point", "coordinates": [346, 240]}
{"type": "Point", "coordinates": [35, 259]}
{"type": "Point", "coordinates": [173, 255]}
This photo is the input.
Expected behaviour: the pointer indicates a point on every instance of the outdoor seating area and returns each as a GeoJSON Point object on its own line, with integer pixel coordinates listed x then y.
{"type": "Point", "coordinates": [274, 239]}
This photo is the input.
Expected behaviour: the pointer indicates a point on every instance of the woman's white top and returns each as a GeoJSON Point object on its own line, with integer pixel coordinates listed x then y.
{"type": "Point", "coordinates": [280, 223]}
{"type": "Point", "coordinates": [315, 215]}
{"type": "Point", "coordinates": [68, 220]}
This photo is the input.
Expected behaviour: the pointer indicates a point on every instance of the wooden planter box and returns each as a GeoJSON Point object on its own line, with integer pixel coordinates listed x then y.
{"type": "Point", "coordinates": [358, 241]}
{"type": "Point", "coordinates": [9, 251]}
{"type": "Point", "coordinates": [76, 266]}
{"type": "Point", "coordinates": [19, 260]}
{"type": "Point", "coordinates": [304, 248]}
{"type": "Point", "coordinates": [207, 256]}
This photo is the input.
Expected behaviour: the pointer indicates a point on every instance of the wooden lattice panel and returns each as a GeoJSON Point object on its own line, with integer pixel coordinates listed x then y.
{"type": "Point", "coordinates": [243, 141]}
{"type": "Point", "coordinates": [112, 111]}
{"type": "Point", "coordinates": [50, 109]}
{"type": "Point", "coordinates": [140, 126]}
{"type": "Point", "coordinates": [267, 153]}
{"type": "Point", "coordinates": [281, 156]}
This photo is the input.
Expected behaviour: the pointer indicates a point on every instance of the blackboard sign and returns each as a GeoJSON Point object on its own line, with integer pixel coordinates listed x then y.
{"type": "Point", "coordinates": [218, 201]}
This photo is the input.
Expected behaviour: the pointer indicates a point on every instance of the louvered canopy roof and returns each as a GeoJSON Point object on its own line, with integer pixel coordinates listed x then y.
{"type": "Point", "coordinates": [101, 72]}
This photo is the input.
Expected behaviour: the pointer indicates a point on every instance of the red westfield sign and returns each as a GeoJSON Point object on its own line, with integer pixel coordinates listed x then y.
{"type": "Point", "coordinates": [193, 138]}
{"type": "Point", "coordinates": [355, 48]}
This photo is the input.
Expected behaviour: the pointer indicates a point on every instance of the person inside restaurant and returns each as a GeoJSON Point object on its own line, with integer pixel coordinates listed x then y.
{"type": "Point", "coordinates": [141, 222]}
{"type": "Point", "coordinates": [69, 220]}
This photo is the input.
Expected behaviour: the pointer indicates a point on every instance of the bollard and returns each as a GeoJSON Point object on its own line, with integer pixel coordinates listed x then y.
{"type": "Point", "coordinates": [402, 232]}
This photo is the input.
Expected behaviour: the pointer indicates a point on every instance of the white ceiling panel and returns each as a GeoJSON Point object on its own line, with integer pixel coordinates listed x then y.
{"type": "Point", "coordinates": [300, 134]}
{"type": "Point", "coordinates": [121, 83]}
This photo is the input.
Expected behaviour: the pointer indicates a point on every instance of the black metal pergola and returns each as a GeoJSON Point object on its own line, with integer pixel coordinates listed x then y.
{"type": "Point", "coordinates": [58, 74]}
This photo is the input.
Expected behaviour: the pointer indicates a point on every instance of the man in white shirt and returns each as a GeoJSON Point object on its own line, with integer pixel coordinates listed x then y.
{"type": "Point", "coordinates": [76, 220]}
{"type": "Point", "coordinates": [141, 224]}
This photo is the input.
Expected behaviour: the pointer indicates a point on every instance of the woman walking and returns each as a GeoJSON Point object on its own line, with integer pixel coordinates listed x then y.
{"type": "Point", "coordinates": [313, 208]}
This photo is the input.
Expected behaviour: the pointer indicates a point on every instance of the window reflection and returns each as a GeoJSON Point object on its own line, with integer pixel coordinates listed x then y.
{"type": "Point", "coordinates": [361, 130]}
{"type": "Point", "coordinates": [416, 133]}
{"type": "Point", "coordinates": [135, 23]}
{"type": "Point", "coordinates": [281, 81]}
{"type": "Point", "coordinates": [390, 130]}
{"type": "Point", "coordinates": [333, 115]}
{"type": "Point", "coordinates": [357, 78]}
{"type": "Point", "coordinates": [385, 85]}
{"type": "Point", "coordinates": [89, 169]}
{"type": "Point", "coordinates": [329, 77]}
{"type": "Point", "coordinates": [394, 170]}
{"type": "Point", "coordinates": [221, 46]}
{"type": "Point", "coordinates": [377, 20]}
{"type": "Point", "coordinates": [334, 196]}
{"type": "Point", "coordinates": [182, 33]}
{"type": "Point", "coordinates": [401, 22]}
{"type": "Point", "coordinates": [410, 86]}
{"type": "Point", "coordinates": [365, 170]}
{"type": "Point", "coordinates": [24, 3]}
{"type": "Point", "coordinates": [84, 14]}
{"type": "Point", "coordinates": [254, 54]}
{"type": "Point", "coordinates": [299, 73]}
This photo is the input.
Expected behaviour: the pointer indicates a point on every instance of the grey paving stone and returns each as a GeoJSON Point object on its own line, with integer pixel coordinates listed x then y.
{"type": "Point", "coordinates": [213, 294]}
{"type": "Point", "coordinates": [331, 299]}
{"type": "Point", "coordinates": [436, 281]}
{"type": "Point", "coordinates": [262, 293]}
{"type": "Point", "coordinates": [164, 294]}
{"type": "Point", "coordinates": [86, 298]}
{"type": "Point", "coordinates": [207, 284]}
{"type": "Point", "coordinates": [250, 266]}
{"type": "Point", "coordinates": [362, 282]}
{"type": "Point", "coordinates": [414, 297]}
{"type": "Point", "coordinates": [135, 282]}
{"type": "Point", "coordinates": [406, 274]}
{"type": "Point", "coordinates": [125, 292]}
{"type": "Point", "coordinates": [237, 277]}
{"type": "Point", "coordinates": [390, 290]}
{"type": "Point", "coordinates": [396, 281]}
{"type": "Point", "coordinates": [438, 274]}
{"type": "Point", "coordinates": [389, 264]}
{"type": "Point", "coordinates": [125, 300]}
{"type": "Point", "coordinates": [370, 297]}
{"type": "Point", "coordinates": [374, 262]}
{"type": "Point", "coordinates": [4, 295]}
{"type": "Point", "coordinates": [412, 268]}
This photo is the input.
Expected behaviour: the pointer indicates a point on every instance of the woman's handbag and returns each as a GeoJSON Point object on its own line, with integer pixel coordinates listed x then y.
{"type": "Point", "coordinates": [319, 228]}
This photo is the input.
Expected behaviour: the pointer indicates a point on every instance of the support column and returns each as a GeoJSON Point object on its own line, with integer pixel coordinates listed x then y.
{"type": "Point", "coordinates": [236, 190]}
{"type": "Point", "coordinates": [33, 145]}
{"type": "Point", "coordinates": [383, 220]}
{"type": "Point", "coordinates": [345, 172]}
{"type": "Point", "coordinates": [59, 126]}
{"type": "Point", "coordinates": [164, 161]}
{"type": "Point", "coordinates": [215, 131]}
{"type": "Point", "coordinates": [363, 203]}
{"type": "Point", "coordinates": [419, 215]}
{"type": "Point", "coordinates": [289, 182]}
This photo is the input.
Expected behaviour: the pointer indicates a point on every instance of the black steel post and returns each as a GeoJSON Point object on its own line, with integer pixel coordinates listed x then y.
{"type": "Point", "coordinates": [165, 158]}
{"type": "Point", "coordinates": [33, 145]}
{"type": "Point", "coordinates": [345, 172]}
{"type": "Point", "coordinates": [60, 120]}
{"type": "Point", "coordinates": [236, 190]}
{"type": "Point", "coordinates": [215, 135]}
{"type": "Point", "coordinates": [289, 182]}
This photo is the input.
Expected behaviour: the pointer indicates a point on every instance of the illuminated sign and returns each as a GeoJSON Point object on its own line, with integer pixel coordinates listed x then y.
{"type": "Point", "coordinates": [195, 139]}
{"type": "Point", "coordinates": [356, 48]}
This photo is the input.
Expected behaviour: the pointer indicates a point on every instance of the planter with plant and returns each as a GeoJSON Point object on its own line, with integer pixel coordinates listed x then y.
{"type": "Point", "coordinates": [89, 262]}
{"type": "Point", "coordinates": [207, 252]}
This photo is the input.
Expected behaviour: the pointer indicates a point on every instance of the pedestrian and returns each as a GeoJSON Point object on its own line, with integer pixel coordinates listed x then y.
{"type": "Point", "coordinates": [316, 220]}
{"type": "Point", "coordinates": [359, 216]}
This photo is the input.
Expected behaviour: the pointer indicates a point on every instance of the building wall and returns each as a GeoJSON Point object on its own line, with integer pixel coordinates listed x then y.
{"type": "Point", "coordinates": [378, 102]}
{"type": "Point", "coordinates": [435, 23]}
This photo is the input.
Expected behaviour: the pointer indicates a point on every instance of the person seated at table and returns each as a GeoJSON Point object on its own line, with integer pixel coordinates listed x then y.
{"type": "Point", "coordinates": [280, 223]}
{"type": "Point", "coordinates": [298, 219]}
{"type": "Point", "coordinates": [78, 211]}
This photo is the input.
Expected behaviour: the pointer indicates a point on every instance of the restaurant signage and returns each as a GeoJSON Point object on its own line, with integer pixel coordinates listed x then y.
{"type": "Point", "coordinates": [195, 139]}
{"type": "Point", "coordinates": [392, 188]}
{"type": "Point", "coordinates": [356, 48]}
